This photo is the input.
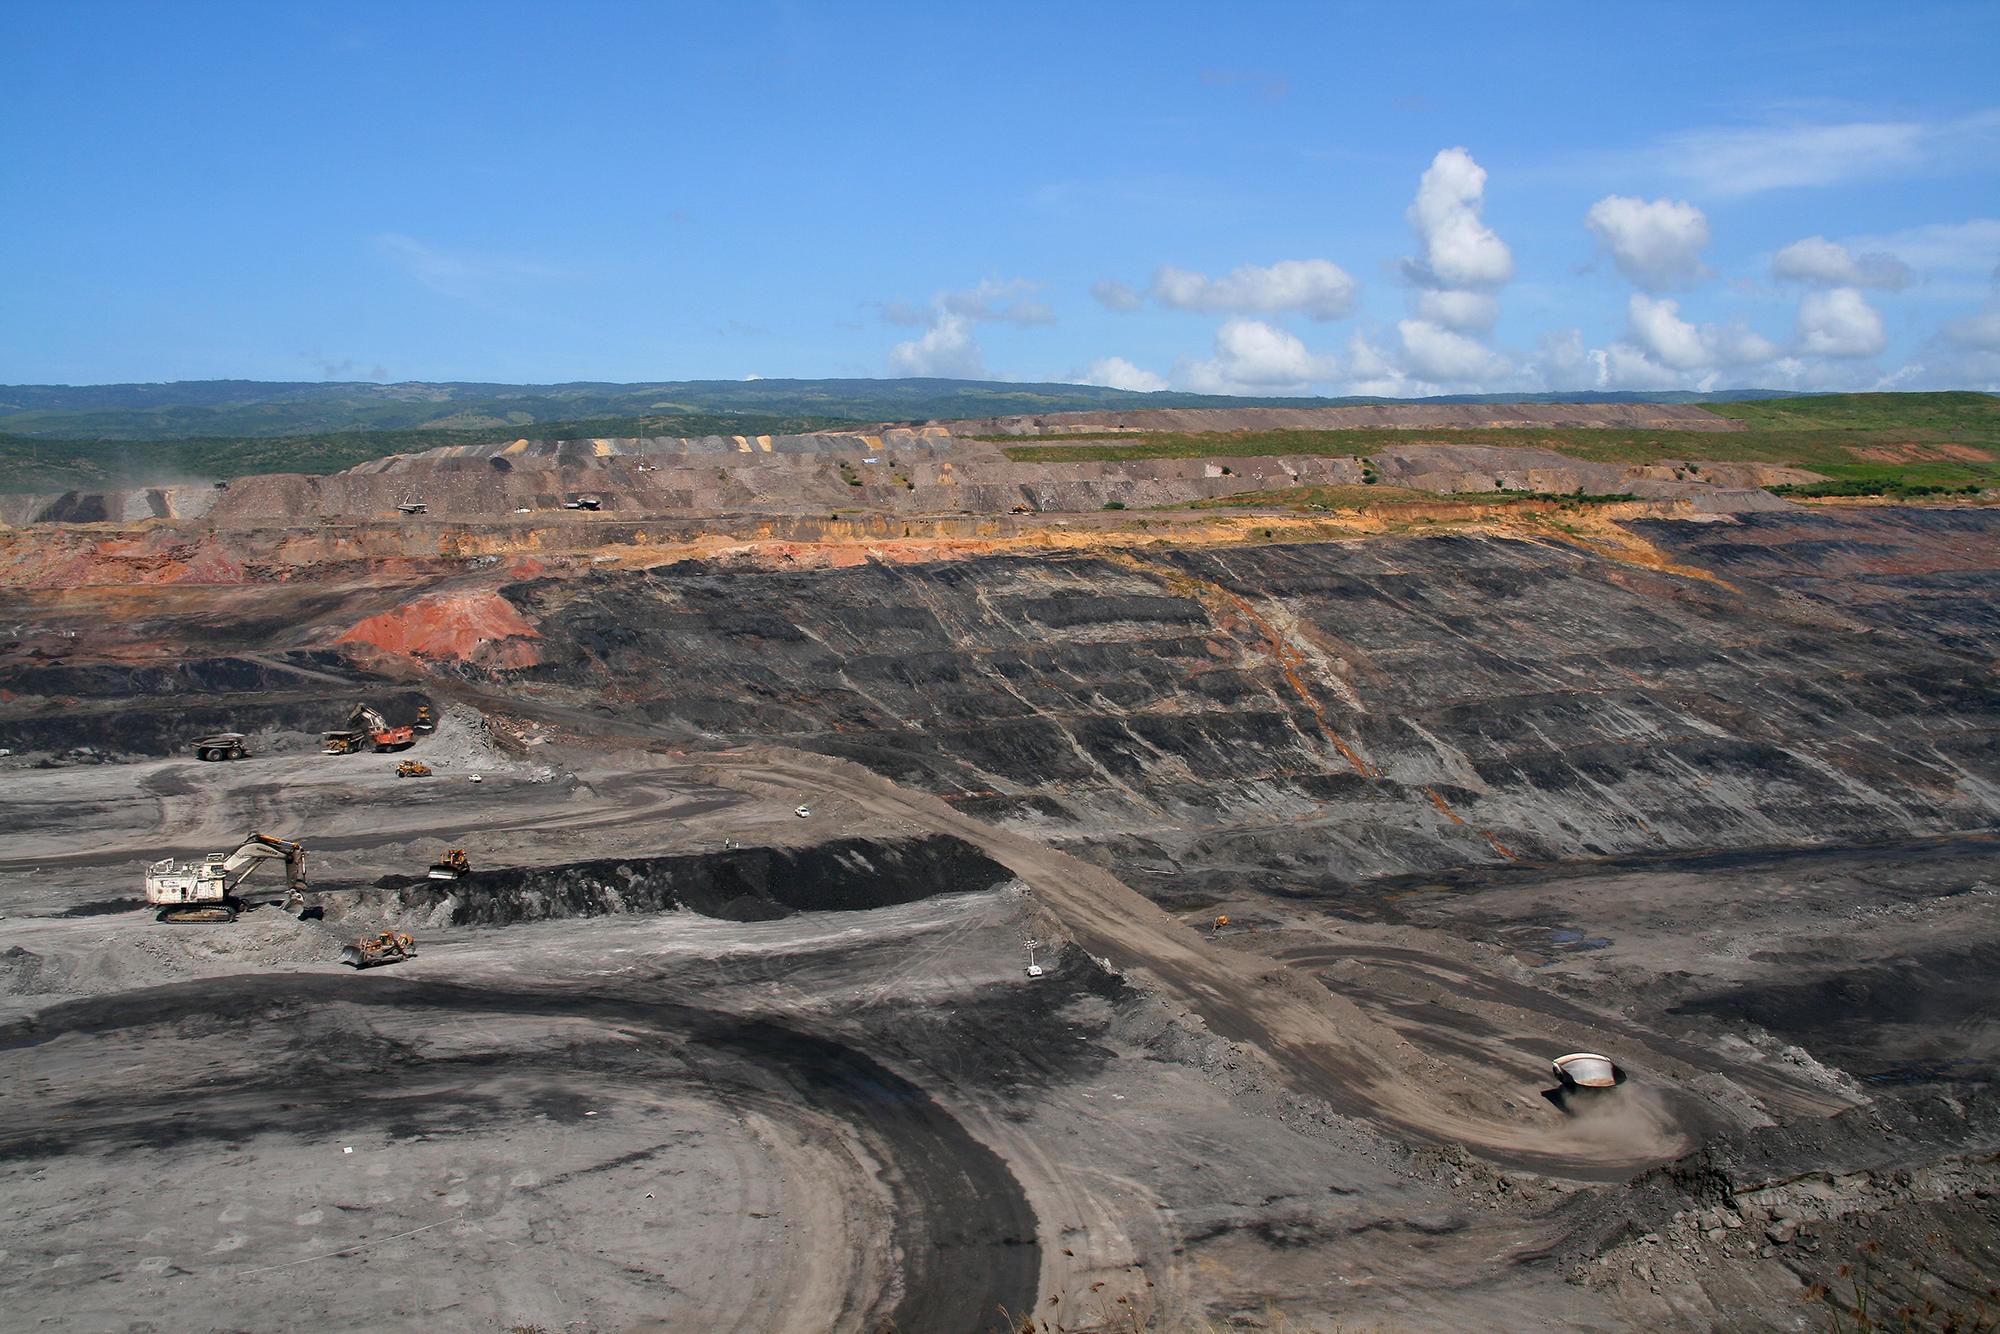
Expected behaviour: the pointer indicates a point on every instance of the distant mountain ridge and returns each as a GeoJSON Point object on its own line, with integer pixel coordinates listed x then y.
{"type": "Point", "coordinates": [253, 408]}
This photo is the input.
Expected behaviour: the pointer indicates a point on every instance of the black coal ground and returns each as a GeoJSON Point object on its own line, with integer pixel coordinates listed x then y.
{"type": "Point", "coordinates": [740, 885]}
{"type": "Point", "coordinates": [965, 1231]}
{"type": "Point", "coordinates": [1749, 826]}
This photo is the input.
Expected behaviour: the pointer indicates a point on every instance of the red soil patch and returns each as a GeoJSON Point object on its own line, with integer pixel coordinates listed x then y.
{"type": "Point", "coordinates": [1922, 453]}
{"type": "Point", "coordinates": [453, 627]}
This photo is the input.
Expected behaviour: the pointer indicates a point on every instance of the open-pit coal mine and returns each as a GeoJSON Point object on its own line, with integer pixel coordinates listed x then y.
{"type": "Point", "coordinates": [857, 881]}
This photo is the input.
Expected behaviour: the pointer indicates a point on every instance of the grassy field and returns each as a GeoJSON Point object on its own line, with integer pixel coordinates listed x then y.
{"type": "Point", "coordinates": [1886, 440]}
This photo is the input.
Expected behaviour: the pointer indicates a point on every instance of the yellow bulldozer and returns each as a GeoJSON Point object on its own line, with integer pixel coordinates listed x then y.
{"type": "Point", "coordinates": [412, 769]}
{"type": "Point", "coordinates": [386, 947]}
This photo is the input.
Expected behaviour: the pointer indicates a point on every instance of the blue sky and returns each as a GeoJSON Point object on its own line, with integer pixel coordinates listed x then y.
{"type": "Point", "coordinates": [1332, 198]}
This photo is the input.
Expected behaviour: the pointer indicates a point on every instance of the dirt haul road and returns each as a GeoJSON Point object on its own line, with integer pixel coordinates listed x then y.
{"type": "Point", "coordinates": [899, 1218]}
{"type": "Point", "coordinates": [1320, 1044]}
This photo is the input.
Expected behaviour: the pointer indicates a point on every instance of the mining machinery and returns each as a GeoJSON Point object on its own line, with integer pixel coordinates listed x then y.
{"type": "Point", "coordinates": [384, 947]}
{"type": "Point", "coordinates": [205, 891]}
{"type": "Point", "coordinates": [452, 866]}
{"type": "Point", "coordinates": [367, 729]}
{"type": "Point", "coordinates": [220, 746]}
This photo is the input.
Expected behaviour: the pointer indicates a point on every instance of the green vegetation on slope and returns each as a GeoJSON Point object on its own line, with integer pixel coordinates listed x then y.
{"type": "Point", "coordinates": [1952, 413]}
{"type": "Point", "coordinates": [1895, 442]}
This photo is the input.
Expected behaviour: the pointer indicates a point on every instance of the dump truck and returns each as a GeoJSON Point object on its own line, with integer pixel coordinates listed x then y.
{"type": "Point", "coordinates": [220, 746]}
{"type": "Point", "coordinates": [384, 947]}
{"type": "Point", "coordinates": [367, 729]}
{"type": "Point", "coordinates": [452, 866]}
{"type": "Point", "coordinates": [205, 891]}
{"type": "Point", "coordinates": [1587, 1070]}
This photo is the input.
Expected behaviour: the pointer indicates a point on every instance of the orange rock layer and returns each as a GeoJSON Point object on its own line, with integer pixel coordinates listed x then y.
{"type": "Point", "coordinates": [452, 627]}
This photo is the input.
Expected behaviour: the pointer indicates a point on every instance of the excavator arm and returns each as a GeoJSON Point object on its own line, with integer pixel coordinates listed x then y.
{"type": "Point", "coordinates": [260, 848]}
{"type": "Point", "coordinates": [364, 716]}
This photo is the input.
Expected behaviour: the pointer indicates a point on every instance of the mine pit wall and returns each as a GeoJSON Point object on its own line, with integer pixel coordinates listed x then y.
{"type": "Point", "coordinates": [894, 472]}
{"type": "Point", "coordinates": [1312, 715]}
{"type": "Point", "coordinates": [150, 711]}
{"type": "Point", "coordinates": [412, 550]}
{"type": "Point", "coordinates": [738, 885]}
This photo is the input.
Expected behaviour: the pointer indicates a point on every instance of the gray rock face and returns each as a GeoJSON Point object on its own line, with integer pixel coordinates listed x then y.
{"type": "Point", "coordinates": [1300, 717]}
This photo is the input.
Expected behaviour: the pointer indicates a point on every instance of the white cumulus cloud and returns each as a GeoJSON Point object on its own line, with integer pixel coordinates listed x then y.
{"type": "Point", "coordinates": [1623, 366]}
{"type": "Point", "coordinates": [1114, 295]}
{"type": "Point", "coordinates": [946, 350]}
{"type": "Point", "coordinates": [1253, 356]}
{"type": "Point", "coordinates": [1009, 301]}
{"type": "Point", "coordinates": [1957, 248]}
{"type": "Point", "coordinates": [1980, 331]}
{"type": "Point", "coordinates": [1470, 312]}
{"type": "Point", "coordinates": [1461, 264]}
{"type": "Point", "coordinates": [1660, 350]}
{"type": "Point", "coordinates": [1657, 243]}
{"type": "Point", "coordinates": [1372, 374]}
{"type": "Point", "coordinates": [1118, 373]}
{"type": "Point", "coordinates": [1839, 322]}
{"type": "Point", "coordinates": [1967, 349]}
{"type": "Point", "coordinates": [1315, 287]}
{"type": "Point", "coordinates": [1459, 250]}
{"type": "Point", "coordinates": [1437, 353]}
{"type": "Point", "coordinates": [1830, 264]}
{"type": "Point", "coordinates": [1658, 329]}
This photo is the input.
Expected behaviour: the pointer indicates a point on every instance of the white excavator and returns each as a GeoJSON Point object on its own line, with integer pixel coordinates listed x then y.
{"type": "Point", "coordinates": [205, 891]}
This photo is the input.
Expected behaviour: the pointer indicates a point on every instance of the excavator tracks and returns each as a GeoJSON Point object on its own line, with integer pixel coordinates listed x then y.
{"type": "Point", "coordinates": [197, 916]}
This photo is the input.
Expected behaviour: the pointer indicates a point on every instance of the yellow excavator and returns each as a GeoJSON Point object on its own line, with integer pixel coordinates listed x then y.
{"type": "Point", "coordinates": [205, 891]}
